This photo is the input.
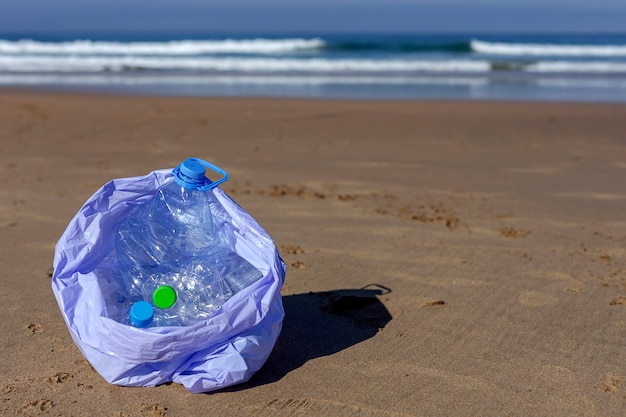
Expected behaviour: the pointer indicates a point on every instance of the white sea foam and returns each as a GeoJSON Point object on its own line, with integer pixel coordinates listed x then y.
{"type": "Point", "coordinates": [31, 63]}
{"type": "Point", "coordinates": [501, 48]}
{"type": "Point", "coordinates": [577, 67]}
{"type": "Point", "coordinates": [120, 63]}
{"type": "Point", "coordinates": [120, 79]}
{"type": "Point", "coordinates": [184, 47]}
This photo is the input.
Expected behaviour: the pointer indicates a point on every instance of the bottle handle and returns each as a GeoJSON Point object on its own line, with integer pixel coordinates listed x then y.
{"type": "Point", "coordinates": [214, 168]}
{"type": "Point", "coordinates": [208, 184]}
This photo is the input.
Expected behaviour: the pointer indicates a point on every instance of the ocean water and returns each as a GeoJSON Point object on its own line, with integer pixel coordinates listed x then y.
{"type": "Point", "coordinates": [414, 67]}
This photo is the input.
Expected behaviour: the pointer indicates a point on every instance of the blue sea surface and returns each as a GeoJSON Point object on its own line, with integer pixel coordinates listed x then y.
{"type": "Point", "coordinates": [537, 67]}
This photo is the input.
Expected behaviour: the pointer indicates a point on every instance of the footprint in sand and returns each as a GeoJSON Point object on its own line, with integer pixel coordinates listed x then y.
{"type": "Point", "coordinates": [36, 407]}
{"type": "Point", "coordinates": [510, 232]}
{"type": "Point", "coordinates": [432, 303]}
{"type": "Point", "coordinates": [610, 383]}
{"type": "Point", "coordinates": [154, 410]}
{"type": "Point", "coordinates": [300, 191]}
{"type": "Point", "coordinates": [299, 265]}
{"type": "Point", "coordinates": [150, 410]}
{"type": "Point", "coordinates": [35, 328]}
{"type": "Point", "coordinates": [61, 377]}
{"type": "Point", "coordinates": [291, 249]}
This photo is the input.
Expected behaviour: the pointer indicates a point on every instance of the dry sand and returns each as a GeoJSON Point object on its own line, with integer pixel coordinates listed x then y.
{"type": "Point", "coordinates": [495, 234]}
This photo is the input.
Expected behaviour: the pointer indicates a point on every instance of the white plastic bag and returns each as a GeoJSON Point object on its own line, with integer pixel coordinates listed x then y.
{"type": "Point", "coordinates": [226, 349]}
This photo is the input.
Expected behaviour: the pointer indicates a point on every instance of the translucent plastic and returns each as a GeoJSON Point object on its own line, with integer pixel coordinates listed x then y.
{"type": "Point", "coordinates": [223, 350]}
{"type": "Point", "coordinates": [174, 239]}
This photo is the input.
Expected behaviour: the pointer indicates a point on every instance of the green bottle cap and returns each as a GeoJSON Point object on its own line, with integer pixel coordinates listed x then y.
{"type": "Point", "coordinates": [164, 296]}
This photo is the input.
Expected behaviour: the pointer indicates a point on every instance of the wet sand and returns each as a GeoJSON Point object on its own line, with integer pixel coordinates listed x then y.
{"type": "Point", "coordinates": [444, 258]}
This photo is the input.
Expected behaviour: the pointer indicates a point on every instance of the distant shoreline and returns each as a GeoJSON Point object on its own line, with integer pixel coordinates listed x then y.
{"type": "Point", "coordinates": [508, 95]}
{"type": "Point", "coordinates": [509, 67]}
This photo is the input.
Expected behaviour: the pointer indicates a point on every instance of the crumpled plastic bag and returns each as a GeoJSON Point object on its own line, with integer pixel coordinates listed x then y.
{"type": "Point", "coordinates": [226, 349]}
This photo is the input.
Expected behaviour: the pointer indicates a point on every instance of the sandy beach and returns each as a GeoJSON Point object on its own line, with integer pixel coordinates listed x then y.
{"type": "Point", "coordinates": [444, 258]}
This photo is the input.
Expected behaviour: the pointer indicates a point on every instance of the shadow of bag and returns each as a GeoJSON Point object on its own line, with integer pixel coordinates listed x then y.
{"type": "Point", "coordinates": [223, 350]}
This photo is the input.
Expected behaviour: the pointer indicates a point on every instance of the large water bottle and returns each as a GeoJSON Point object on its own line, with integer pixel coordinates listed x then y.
{"type": "Point", "coordinates": [174, 258]}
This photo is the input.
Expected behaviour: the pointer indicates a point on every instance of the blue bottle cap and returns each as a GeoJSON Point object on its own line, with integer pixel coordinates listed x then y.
{"type": "Point", "coordinates": [141, 314]}
{"type": "Point", "coordinates": [192, 169]}
{"type": "Point", "coordinates": [191, 174]}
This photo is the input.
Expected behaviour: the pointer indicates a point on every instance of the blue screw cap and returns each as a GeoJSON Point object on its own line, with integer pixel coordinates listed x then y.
{"type": "Point", "coordinates": [192, 169]}
{"type": "Point", "coordinates": [141, 314]}
{"type": "Point", "coordinates": [191, 172]}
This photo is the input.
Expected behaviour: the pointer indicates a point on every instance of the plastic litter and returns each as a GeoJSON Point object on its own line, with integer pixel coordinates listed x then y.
{"type": "Point", "coordinates": [219, 349]}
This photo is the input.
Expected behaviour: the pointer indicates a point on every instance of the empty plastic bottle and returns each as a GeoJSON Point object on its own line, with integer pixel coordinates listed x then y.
{"type": "Point", "coordinates": [174, 254]}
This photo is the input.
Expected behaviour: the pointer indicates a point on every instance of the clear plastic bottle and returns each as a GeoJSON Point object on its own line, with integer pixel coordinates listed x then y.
{"type": "Point", "coordinates": [175, 241]}
{"type": "Point", "coordinates": [199, 291]}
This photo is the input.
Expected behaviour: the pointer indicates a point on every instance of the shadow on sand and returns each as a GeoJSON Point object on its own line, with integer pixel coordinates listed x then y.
{"type": "Point", "coordinates": [319, 324]}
